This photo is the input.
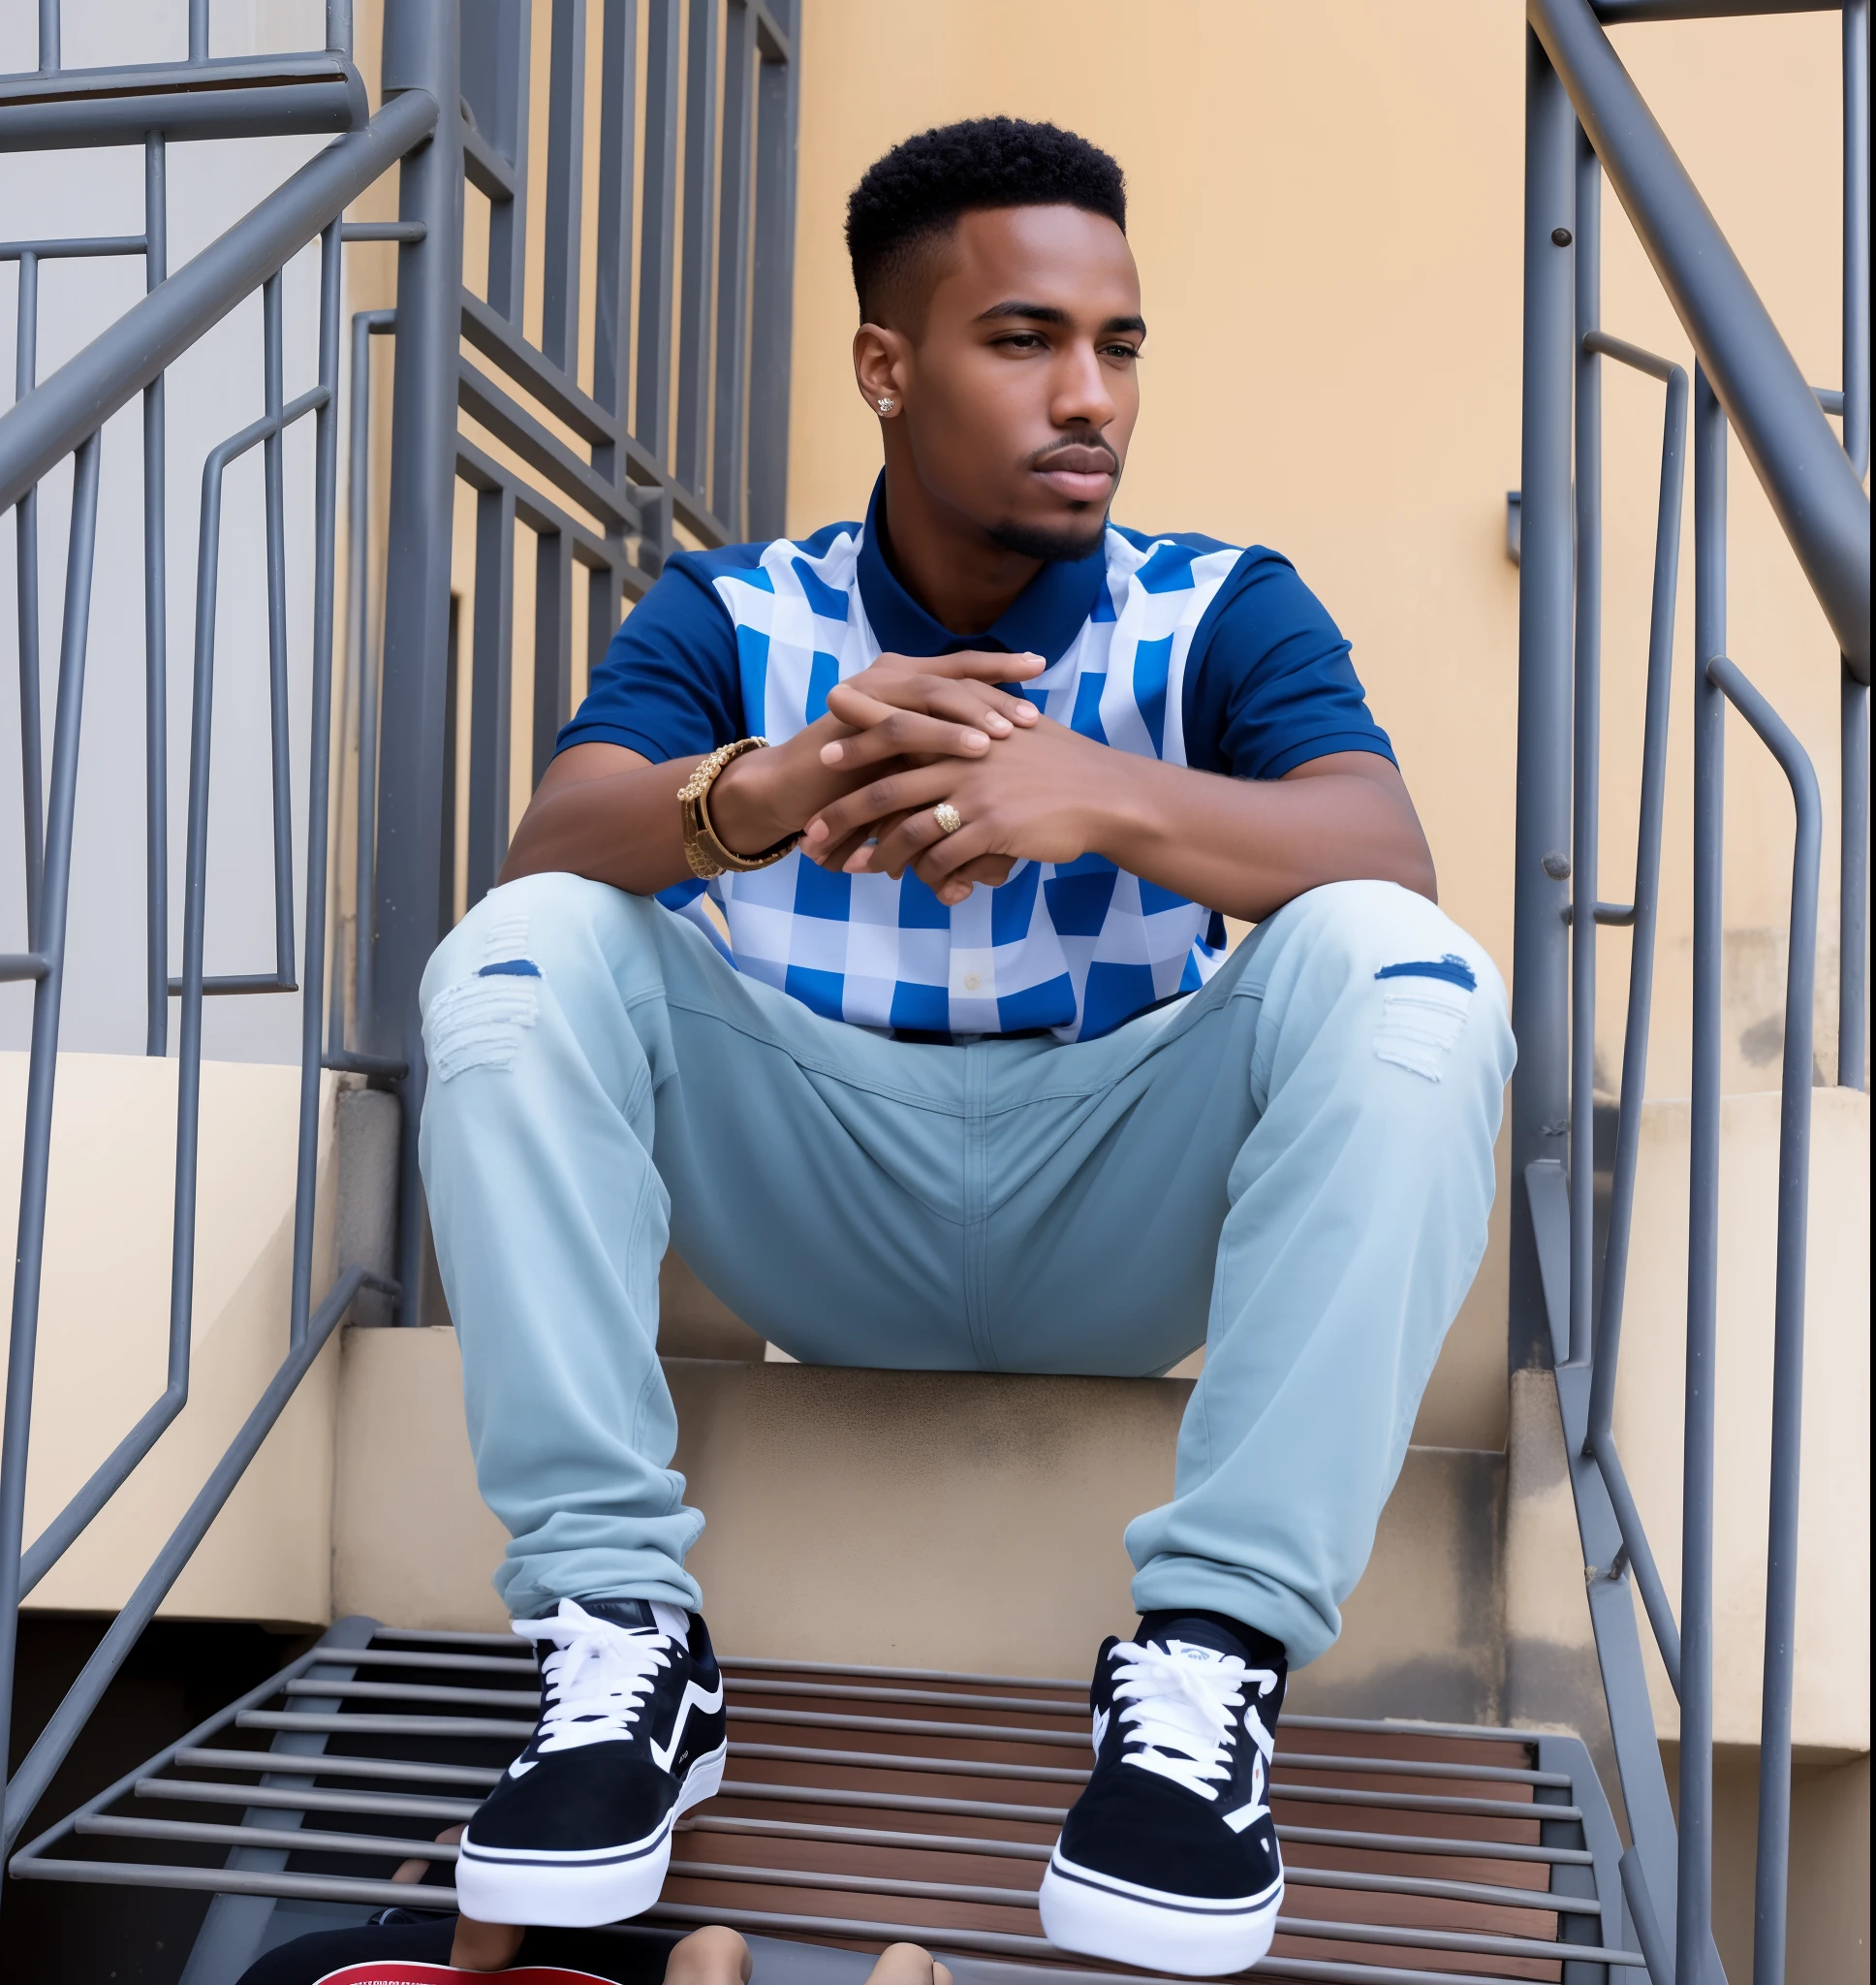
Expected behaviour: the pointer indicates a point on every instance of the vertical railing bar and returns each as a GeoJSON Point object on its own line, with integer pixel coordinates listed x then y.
{"type": "Point", "coordinates": [326, 471]}
{"type": "Point", "coordinates": [338, 26]}
{"type": "Point", "coordinates": [657, 238]}
{"type": "Point", "coordinates": [1770, 1884]}
{"type": "Point", "coordinates": [199, 30]}
{"type": "Point", "coordinates": [29, 1242]}
{"type": "Point", "coordinates": [1587, 769]}
{"type": "Point", "coordinates": [505, 23]}
{"type": "Point", "coordinates": [48, 35]}
{"type": "Point", "coordinates": [491, 652]}
{"type": "Point", "coordinates": [1856, 234]}
{"type": "Point", "coordinates": [1541, 969]}
{"type": "Point", "coordinates": [729, 497]}
{"type": "Point", "coordinates": [32, 742]}
{"type": "Point", "coordinates": [1853, 886]}
{"type": "Point", "coordinates": [156, 632]}
{"type": "Point", "coordinates": [554, 644]}
{"type": "Point", "coordinates": [1694, 1910]}
{"type": "Point", "coordinates": [274, 451]}
{"type": "Point", "coordinates": [182, 1239]}
{"type": "Point", "coordinates": [618, 109]}
{"type": "Point", "coordinates": [700, 226]}
{"type": "Point", "coordinates": [363, 676]}
{"type": "Point", "coordinates": [566, 168]}
{"type": "Point", "coordinates": [773, 289]}
{"type": "Point", "coordinates": [1647, 908]}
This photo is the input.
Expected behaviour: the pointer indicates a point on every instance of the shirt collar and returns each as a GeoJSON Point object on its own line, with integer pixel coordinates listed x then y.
{"type": "Point", "coordinates": [1043, 619]}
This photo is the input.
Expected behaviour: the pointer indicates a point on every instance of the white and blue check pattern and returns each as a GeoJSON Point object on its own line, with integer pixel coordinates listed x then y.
{"type": "Point", "coordinates": [1075, 949]}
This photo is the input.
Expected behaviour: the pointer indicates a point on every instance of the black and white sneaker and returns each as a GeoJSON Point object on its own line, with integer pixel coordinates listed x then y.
{"type": "Point", "coordinates": [632, 1734]}
{"type": "Point", "coordinates": [1168, 1859]}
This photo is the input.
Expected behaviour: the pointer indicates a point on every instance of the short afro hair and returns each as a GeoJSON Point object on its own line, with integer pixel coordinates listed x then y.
{"type": "Point", "coordinates": [917, 191]}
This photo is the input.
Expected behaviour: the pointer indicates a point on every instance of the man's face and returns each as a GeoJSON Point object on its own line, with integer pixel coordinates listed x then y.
{"type": "Point", "coordinates": [1024, 381]}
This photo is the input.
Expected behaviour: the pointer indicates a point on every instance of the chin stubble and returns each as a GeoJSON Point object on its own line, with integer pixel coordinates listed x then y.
{"type": "Point", "coordinates": [1053, 546]}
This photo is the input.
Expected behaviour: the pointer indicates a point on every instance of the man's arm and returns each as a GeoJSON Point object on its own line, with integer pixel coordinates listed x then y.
{"type": "Point", "coordinates": [1242, 846]}
{"type": "Point", "coordinates": [612, 814]}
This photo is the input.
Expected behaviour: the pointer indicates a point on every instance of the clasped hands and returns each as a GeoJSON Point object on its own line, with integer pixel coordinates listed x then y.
{"type": "Point", "coordinates": [915, 734]}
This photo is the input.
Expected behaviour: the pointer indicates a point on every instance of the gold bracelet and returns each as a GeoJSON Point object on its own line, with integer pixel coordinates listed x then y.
{"type": "Point", "coordinates": [702, 849]}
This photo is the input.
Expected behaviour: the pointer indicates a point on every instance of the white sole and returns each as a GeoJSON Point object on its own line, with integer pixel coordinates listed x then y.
{"type": "Point", "coordinates": [1093, 1916]}
{"type": "Point", "coordinates": [569, 1892]}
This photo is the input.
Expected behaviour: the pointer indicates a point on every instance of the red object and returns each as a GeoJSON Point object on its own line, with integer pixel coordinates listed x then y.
{"type": "Point", "coordinates": [409, 1971]}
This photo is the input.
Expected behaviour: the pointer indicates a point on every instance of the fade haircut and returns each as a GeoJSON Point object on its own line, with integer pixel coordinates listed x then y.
{"type": "Point", "coordinates": [909, 201]}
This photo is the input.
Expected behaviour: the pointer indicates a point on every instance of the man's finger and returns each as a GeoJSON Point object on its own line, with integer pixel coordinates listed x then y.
{"type": "Point", "coordinates": [836, 859]}
{"type": "Point", "coordinates": [899, 792]}
{"type": "Point", "coordinates": [945, 864]}
{"type": "Point", "coordinates": [908, 734]}
{"type": "Point", "coordinates": [982, 665]}
{"type": "Point", "coordinates": [870, 698]}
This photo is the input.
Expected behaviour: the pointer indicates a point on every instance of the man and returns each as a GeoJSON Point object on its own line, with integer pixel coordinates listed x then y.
{"type": "Point", "coordinates": [973, 1084]}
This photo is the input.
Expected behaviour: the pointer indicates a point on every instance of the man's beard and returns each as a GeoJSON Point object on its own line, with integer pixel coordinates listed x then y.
{"type": "Point", "coordinates": [1053, 546]}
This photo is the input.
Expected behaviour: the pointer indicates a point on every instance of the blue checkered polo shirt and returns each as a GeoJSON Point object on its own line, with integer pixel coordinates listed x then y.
{"type": "Point", "coordinates": [1074, 949]}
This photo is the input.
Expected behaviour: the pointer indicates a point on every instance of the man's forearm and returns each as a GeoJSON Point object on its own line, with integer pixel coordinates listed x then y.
{"type": "Point", "coordinates": [607, 813]}
{"type": "Point", "coordinates": [1247, 846]}
{"type": "Point", "coordinates": [624, 828]}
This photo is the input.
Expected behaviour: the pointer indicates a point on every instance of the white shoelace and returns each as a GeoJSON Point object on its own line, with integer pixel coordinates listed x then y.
{"type": "Point", "coordinates": [597, 1678]}
{"type": "Point", "coordinates": [1181, 1718]}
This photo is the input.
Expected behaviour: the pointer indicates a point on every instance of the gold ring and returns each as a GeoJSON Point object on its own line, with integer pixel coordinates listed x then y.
{"type": "Point", "coordinates": [948, 817]}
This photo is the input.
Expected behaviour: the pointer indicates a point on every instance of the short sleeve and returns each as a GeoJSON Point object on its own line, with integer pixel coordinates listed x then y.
{"type": "Point", "coordinates": [1269, 683]}
{"type": "Point", "coordinates": [667, 685]}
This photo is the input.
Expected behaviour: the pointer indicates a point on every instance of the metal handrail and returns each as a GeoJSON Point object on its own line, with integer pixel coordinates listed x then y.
{"type": "Point", "coordinates": [51, 422]}
{"type": "Point", "coordinates": [65, 416]}
{"type": "Point", "coordinates": [1581, 98]}
{"type": "Point", "coordinates": [1814, 489]}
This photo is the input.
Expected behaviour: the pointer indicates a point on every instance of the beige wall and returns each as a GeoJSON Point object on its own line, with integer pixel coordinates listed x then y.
{"type": "Point", "coordinates": [1832, 1706]}
{"type": "Point", "coordinates": [1326, 205]}
{"type": "Point", "coordinates": [103, 1333]}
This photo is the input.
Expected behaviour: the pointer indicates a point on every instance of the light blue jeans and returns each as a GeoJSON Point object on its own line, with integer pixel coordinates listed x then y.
{"type": "Point", "coordinates": [1292, 1166]}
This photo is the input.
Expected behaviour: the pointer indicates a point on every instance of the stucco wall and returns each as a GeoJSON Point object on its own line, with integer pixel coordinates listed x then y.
{"type": "Point", "coordinates": [1325, 207]}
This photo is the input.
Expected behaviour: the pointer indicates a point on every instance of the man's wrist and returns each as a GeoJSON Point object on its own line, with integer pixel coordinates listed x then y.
{"type": "Point", "coordinates": [748, 806]}
{"type": "Point", "coordinates": [1128, 820]}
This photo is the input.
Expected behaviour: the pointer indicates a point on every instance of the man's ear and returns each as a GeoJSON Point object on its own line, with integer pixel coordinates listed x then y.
{"type": "Point", "coordinates": [882, 368]}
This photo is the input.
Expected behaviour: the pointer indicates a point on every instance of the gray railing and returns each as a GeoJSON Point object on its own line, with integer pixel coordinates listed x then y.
{"type": "Point", "coordinates": [64, 417]}
{"type": "Point", "coordinates": [684, 427]}
{"type": "Point", "coordinates": [1584, 119]}
{"type": "Point", "coordinates": [700, 455]}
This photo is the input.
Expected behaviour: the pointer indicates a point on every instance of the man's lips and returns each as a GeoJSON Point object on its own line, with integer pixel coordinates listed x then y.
{"type": "Point", "coordinates": [1083, 475]}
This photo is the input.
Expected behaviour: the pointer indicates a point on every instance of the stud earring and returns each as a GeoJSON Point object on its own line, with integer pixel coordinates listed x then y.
{"type": "Point", "coordinates": [885, 405]}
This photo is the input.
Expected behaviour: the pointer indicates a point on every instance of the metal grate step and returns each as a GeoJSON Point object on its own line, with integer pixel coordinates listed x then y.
{"type": "Point", "coordinates": [866, 1805]}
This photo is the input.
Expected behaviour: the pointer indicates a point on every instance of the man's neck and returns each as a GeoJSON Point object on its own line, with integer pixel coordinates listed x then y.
{"type": "Point", "coordinates": [963, 578]}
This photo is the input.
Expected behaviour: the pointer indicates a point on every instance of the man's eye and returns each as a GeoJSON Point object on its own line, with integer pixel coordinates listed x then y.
{"type": "Point", "coordinates": [1129, 351]}
{"type": "Point", "coordinates": [1022, 340]}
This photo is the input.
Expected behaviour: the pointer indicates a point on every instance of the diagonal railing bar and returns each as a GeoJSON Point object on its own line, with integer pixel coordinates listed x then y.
{"type": "Point", "coordinates": [62, 416]}
{"type": "Point", "coordinates": [1743, 371]}
{"type": "Point", "coordinates": [55, 1742]}
{"type": "Point", "coordinates": [39, 431]}
{"type": "Point", "coordinates": [1817, 497]}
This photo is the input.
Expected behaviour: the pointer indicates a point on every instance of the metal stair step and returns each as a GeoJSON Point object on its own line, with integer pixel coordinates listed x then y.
{"type": "Point", "coordinates": [1415, 1851]}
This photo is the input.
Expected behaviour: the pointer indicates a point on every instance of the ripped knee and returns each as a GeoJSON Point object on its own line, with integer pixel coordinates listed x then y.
{"type": "Point", "coordinates": [478, 1019]}
{"type": "Point", "coordinates": [1426, 1005]}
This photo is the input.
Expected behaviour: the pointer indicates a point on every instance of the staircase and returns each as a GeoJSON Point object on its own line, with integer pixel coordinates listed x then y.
{"type": "Point", "coordinates": [863, 1806]}
{"type": "Point", "coordinates": [1472, 1784]}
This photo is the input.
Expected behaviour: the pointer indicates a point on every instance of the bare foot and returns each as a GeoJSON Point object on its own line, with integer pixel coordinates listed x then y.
{"type": "Point", "coordinates": [715, 1956]}
{"type": "Point", "coordinates": [483, 1946]}
{"type": "Point", "coordinates": [905, 1964]}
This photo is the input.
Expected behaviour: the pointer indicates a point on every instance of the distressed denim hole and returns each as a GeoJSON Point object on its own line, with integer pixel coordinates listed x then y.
{"type": "Point", "coordinates": [1421, 1019]}
{"type": "Point", "coordinates": [478, 1023]}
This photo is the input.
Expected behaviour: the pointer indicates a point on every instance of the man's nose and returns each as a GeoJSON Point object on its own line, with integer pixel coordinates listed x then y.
{"type": "Point", "coordinates": [1081, 398]}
